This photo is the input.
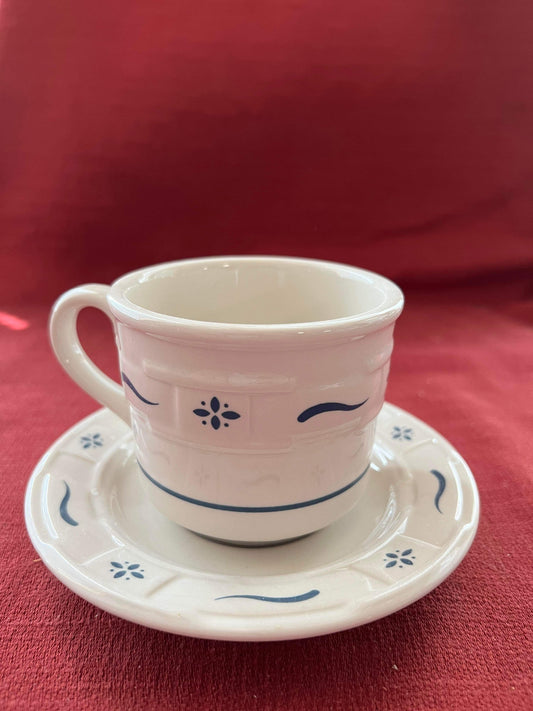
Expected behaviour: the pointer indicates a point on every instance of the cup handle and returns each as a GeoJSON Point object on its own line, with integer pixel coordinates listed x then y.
{"type": "Point", "coordinates": [69, 351]}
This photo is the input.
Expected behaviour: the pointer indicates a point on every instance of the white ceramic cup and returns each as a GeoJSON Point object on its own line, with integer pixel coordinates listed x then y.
{"type": "Point", "coordinates": [252, 386]}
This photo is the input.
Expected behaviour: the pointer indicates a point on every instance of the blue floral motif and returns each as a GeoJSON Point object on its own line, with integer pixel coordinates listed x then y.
{"type": "Point", "coordinates": [91, 441]}
{"type": "Point", "coordinates": [406, 557]}
{"type": "Point", "coordinates": [213, 415]}
{"type": "Point", "coordinates": [403, 433]}
{"type": "Point", "coordinates": [124, 570]}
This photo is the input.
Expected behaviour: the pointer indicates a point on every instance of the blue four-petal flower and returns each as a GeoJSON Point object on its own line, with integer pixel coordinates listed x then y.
{"type": "Point", "coordinates": [213, 415]}
{"type": "Point", "coordinates": [402, 433]}
{"type": "Point", "coordinates": [92, 440]}
{"type": "Point", "coordinates": [126, 569]}
{"type": "Point", "coordinates": [406, 557]}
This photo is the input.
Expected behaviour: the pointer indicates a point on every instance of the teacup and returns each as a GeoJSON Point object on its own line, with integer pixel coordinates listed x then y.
{"type": "Point", "coordinates": [252, 386]}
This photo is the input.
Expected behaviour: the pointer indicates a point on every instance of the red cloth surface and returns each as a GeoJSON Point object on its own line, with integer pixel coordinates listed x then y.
{"type": "Point", "coordinates": [393, 136]}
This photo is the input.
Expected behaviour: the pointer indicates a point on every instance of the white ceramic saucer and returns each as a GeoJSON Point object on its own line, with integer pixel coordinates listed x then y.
{"type": "Point", "coordinates": [89, 522]}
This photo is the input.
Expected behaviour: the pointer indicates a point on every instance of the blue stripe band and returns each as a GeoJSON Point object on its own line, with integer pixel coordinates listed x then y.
{"type": "Point", "coordinates": [252, 509]}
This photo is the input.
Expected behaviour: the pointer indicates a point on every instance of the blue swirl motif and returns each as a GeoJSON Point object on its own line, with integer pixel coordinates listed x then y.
{"type": "Point", "coordinates": [63, 511]}
{"type": "Point", "coordinates": [264, 598]}
{"type": "Point", "coordinates": [327, 407]}
{"type": "Point", "coordinates": [132, 387]}
{"type": "Point", "coordinates": [442, 486]}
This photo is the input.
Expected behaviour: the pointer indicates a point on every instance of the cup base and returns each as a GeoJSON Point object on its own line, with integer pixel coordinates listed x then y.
{"type": "Point", "coordinates": [252, 544]}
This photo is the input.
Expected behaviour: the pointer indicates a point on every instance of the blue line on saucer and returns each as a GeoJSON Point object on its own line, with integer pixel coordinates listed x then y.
{"type": "Point", "coordinates": [442, 486]}
{"type": "Point", "coordinates": [63, 507]}
{"type": "Point", "coordinates": [252, 509]}
{"type": "Point", "coordinates": [327, 407]}
{"type": "Point", "coordinates": [264, 598]}
{"type": "Point", "coordinates": [130, 385]}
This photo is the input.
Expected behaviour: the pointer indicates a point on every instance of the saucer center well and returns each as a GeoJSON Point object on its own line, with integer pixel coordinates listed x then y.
{"type": "Point", "coordinates": [139, 524]}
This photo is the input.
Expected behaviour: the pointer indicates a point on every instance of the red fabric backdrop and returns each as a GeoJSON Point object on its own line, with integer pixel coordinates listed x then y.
{"type": "Point", "coordinates": [394, 136]}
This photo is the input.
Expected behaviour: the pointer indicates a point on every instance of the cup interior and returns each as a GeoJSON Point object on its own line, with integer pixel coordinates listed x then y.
{"type": "Point", "coordinates": [258, 291]}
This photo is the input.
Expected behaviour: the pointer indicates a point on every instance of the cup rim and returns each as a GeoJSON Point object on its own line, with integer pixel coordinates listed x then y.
{"type": "Point", "coordinates": [177, 327]}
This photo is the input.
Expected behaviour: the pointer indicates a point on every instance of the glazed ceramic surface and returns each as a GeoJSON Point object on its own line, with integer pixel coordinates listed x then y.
{"type": "Point", "coordinates": [92, 525]}
{"type": "Point", "coordinates": [252, 385]}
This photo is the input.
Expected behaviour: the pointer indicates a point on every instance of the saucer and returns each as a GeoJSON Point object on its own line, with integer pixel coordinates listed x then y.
{"type": "Point", "coordinates": [92, 526]}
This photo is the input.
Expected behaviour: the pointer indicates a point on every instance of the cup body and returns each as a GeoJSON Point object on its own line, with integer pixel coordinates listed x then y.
{"type": "Point", "coordinates": [254, 385]}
